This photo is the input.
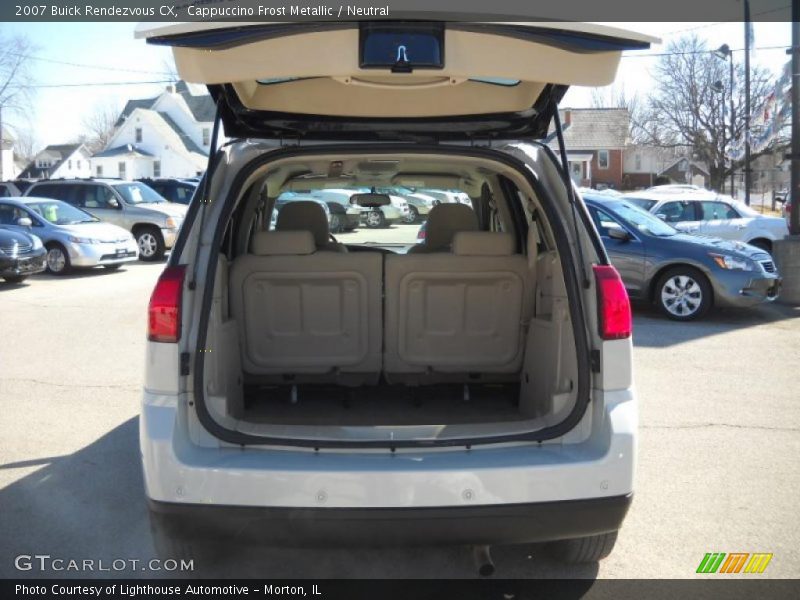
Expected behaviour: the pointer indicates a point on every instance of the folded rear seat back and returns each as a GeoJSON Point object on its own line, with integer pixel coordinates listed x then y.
{"type": "Point", "coordinates": [457, 313]}
{"type": "Point", "coordinates": [304, 314]}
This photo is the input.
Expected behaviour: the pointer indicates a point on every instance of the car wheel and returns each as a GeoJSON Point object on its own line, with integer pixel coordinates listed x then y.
{"type": "Point", "coordinates": [764, 245]}
{"type": "Point", "coordinates": [57, 260]}
{"type": "Point", "coordinates": [412, 216]}
{"type": "Point", "coordinates": [112, 267]}
{"type": "Point", "coordinates": [337, 223]}
{"type": "Point", "coordinates": [683, 294]}
{"type": "Point", "coordinates": [375, 219]}
{"type": "Point", "coordinates": [582, 550]}
{"type": "Point", "coordinates": [150, 242]}
{"type": "Point", "coordinates": [15, 278]}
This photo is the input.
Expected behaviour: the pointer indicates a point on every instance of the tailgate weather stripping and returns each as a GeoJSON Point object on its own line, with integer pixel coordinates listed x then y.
{"type": "Point", "coordinates": [571, 280]}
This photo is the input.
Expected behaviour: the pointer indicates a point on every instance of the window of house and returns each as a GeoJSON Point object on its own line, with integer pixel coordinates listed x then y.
{"type": "Point", "coordinates": [122, 170]}
{"type": "Point", "coordinates": [138, 134]}
{"type": "Point", "coordinates": [156, 168]}
{"type": "Point", "coordinates": [206, 136]}
{"type": "Point", "coordinates": [99, 170]}
{"type": "Point", "coordinates": [69, 164]}
{"type": "Point", "coordinates": [637, 159]}
{"type": "Point", "coordinates": [78, 164]}
{"type": "Point", "coordinates": [602, 159]}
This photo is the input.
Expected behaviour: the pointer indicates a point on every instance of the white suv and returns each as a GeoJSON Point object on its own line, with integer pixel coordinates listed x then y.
{"type": "Point", "coordinates": [476, 389]}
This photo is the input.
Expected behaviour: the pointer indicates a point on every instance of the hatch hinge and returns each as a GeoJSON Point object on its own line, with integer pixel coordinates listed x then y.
{"type": "Point", "coordinates": [594, 359]}
{"type": "Point", "coordinates": [290, 141]}
{"type": "Point", "coordinates": [480, 142]}
{"type": "Point", "coordinates": [185, 363]}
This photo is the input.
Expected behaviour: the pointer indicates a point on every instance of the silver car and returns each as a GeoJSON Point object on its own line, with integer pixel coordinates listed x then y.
{"type": "Point", "coordinates": [73, 237]}
{"type": "Point", "coordinates": [132, 205]}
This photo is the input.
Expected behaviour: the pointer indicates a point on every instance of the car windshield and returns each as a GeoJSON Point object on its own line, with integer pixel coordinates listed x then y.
{"type": "Point", "coordinates": [641, 220]}
{"type": "Point", "coordinates": [642, 203]}
{"type": "Point", "coordinates": [139, 193]}
{"type": "Point", "coordinates": [60, 213]}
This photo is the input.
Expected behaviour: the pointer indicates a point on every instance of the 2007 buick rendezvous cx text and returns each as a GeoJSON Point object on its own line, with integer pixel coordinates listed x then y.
{"type": "Point", "coordinates": [475, 388]}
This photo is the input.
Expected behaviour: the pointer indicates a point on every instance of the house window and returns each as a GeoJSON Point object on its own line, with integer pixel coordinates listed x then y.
{"type": "Point", "coordinates": [156, 168]}
{"type": "Point", "coordinates": [77, 164]}
{"type": "Point", "coordinates": [638, 161]}
{"type": "Point", "coordinates": [99, 170]}
{"type": "Point", "coordinates": [206, 136]}
{"type": "Point", "coordinates": [602, 159]}
{"type": "Point", "coordinates": [138, 134]}
{"type": "Point", "coordinates": [69, 164]}
{"type": "Point", "coordinates": [122, 171]}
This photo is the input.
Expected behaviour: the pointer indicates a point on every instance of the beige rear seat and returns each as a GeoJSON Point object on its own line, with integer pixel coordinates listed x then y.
{"type": "Point", "coordinates": [303, 314]}
{"type": "Point", "coordinates": [458, 313]}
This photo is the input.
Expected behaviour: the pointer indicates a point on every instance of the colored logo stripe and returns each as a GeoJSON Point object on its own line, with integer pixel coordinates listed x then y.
{"type": "Point", "coordinates": [735, 561]}
{"type": "Point", "coordinates": [711, 562]}
{"type": "Point", "coordinates": [758, 562]}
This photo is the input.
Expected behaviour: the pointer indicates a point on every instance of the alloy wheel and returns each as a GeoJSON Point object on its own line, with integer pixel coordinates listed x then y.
{"type": "Point", "coordinates": [148, 244]}
{"type": "Point", "coordinates": [56, 261]}
{"type": "Point", "coordinates": [681, 296]}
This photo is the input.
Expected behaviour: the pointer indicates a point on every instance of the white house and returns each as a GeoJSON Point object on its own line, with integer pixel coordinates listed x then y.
{"type": "Point", "coordinates": [9, 168]}
{"type": "Point", "coordinates": [59, 161]}
{"type": "Point", "coordinates": [165, 136]}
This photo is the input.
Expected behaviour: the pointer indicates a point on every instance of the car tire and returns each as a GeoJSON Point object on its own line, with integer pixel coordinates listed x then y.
{"type": "Point", "coordinates": [376, 219]}
{"type": "Point", "coordinates": [15, 278]}
{"type": "Point", "coordinates": [57, 259]}
{"type": "Point", "coordinates": [762, 244]}
{"type": "Point", "coordinates": [683, 294]}
{"type": "Point", "coordinates": [412, 216]}
{"type": "Point", "coordinates": [582, 550]}
{"type": "Point", "coordinates": [150, 243]}
{"type": "Point", "coordinates": [337, 223]}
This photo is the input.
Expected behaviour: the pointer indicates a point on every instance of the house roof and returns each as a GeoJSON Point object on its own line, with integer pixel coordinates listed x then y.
{"type": "Point", "coordinates": [63, 151]}
{"type": "Point", "coordinates": [694, 164]}
{"type": "Point", "coordinates": [201, 106]}
{"type": "Point", "coordinates": [123, 150]}
{"type": "Point", "coordinates": [188, 142]}
{"type": "Point", "coordinates": [593, 128]}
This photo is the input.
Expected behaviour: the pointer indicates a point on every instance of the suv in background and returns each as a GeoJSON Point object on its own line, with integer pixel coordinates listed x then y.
{"type": "Point", "coordinates": [132, 205]}
{"type": "Point", "coordinates": [9, 189]}
{"type": "Point", "coordinates": [179, 191]}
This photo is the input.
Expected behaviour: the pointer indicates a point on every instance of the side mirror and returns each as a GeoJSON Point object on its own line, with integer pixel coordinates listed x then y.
{"type": "Point", "coordinates": [617, 233]}
{"type": "Point", "coordinates": [24, 222]}
{"type": "Point", "coordinates": [113, 203]}
{"type": "Point", "coordinates": [662, 216]}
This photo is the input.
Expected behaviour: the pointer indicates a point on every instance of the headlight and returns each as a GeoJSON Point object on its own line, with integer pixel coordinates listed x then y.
{"type": "Point", "coordinates": [80, 240]}
{"type": "Point", "coordinates": [732, 263]}
{"type": "Point", "coordinates": [37, 243]}
{"type": "Point", "coordinates": [172, 223]}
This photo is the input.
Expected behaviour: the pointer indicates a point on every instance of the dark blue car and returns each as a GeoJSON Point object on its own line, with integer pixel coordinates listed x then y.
{"type": "Point", "coordinates": [683, 274]}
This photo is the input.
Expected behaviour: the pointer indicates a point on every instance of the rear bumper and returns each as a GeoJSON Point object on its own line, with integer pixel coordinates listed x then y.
{"type": "Point", "coordinates": [499, 524]}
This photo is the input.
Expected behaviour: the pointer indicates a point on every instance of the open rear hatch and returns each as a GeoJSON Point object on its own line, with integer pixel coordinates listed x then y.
{"type": "Point", "coordinates": [392, 80]}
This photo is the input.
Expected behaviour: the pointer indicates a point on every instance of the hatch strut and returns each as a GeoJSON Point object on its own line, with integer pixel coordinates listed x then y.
{"type": "Point", "coordinates": [570, 193]}
{"type": "Point", "coordinates": [204, 199]}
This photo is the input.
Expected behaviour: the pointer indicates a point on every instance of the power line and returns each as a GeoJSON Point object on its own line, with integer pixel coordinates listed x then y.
{"type": "Point", "coordinates": [699, 52]}
{"type": "Point", "coordinates": [98, 84]}
{"type": "Point", "coordinates": [84, 65]}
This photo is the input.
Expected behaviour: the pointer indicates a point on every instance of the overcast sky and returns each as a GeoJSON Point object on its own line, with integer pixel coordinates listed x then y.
{"type": "Point", "coordinates": [105, 53]}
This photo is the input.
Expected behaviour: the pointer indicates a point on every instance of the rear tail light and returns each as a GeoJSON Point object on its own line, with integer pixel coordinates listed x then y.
{"type": "Point", "coordinates": [164, 311]}
{"type": "Point", "coordinates": [613, 305]}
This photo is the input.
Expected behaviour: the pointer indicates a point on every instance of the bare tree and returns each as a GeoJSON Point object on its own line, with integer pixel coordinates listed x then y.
{"type": "Point", "coordinates": [16, 82]}
{"type": "Point", "coordinates": [689, 105]}
{"type": "Point", "coordinates": [100, 125]}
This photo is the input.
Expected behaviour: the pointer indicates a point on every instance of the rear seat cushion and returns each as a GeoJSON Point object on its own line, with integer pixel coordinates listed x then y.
{"type": "Point", "coordinates": [307, 313]}
{"type": "Point", "coordinates": [307, 215]}
{"type": "Point", "coordinates": [452, 313]}
{"type": "Point", "coordinates": [444, 221]}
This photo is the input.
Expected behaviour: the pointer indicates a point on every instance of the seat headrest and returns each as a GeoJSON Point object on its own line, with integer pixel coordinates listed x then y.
{"type": "Point", "coordinates": [305, 215]}
{"type": "Point", "coordinates": [282, 243]}
{"type": "Point", "coordinates": [483, 243]}
{"type": "Point", "coordinates": [444, 221]}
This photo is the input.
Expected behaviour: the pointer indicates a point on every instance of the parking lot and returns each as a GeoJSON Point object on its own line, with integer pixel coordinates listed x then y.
{"type": "Point", "coordinates": [717, 457]}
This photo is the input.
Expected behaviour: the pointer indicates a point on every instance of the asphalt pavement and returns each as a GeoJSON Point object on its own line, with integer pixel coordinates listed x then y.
{"type": "Point", "coordinates": [717, 471]}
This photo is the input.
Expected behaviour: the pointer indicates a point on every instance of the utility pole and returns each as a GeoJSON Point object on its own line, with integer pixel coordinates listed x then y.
{"type": "Point", "coordinates": [747, 42]}
{"type": "Point", "coordinates": [794, 225]}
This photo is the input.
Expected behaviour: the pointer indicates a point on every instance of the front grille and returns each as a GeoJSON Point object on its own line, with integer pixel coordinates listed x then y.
{"type": "Point", "coordinates": [768, 266]}
{"type": "Point", "coordinates": [16, 249]}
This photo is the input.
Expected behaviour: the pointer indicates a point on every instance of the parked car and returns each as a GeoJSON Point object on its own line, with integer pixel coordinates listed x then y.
{"type": "Point", "coordinates": [21, 255]}
{"type": "Point", "coordinates": [135, 207]}
{"type": "Point", "coordinates": [72, 237]}
{"type": "Point", "coordinates": [701, 212]}
{"type": "Point", "coordinates": [373, 218]}
{"type": "Point", "coordinates": [419, 204]}
{"type": "Point", "coordinates": [684, 275]}
{"type": "Point", "coordinates": [179, 191]}
{"type": "Point", "coordinates": [354, 395]}
{"type": "Point", "coordinates": [9, 188]}
{"type": "Point", "coordinates": [343, 215]}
